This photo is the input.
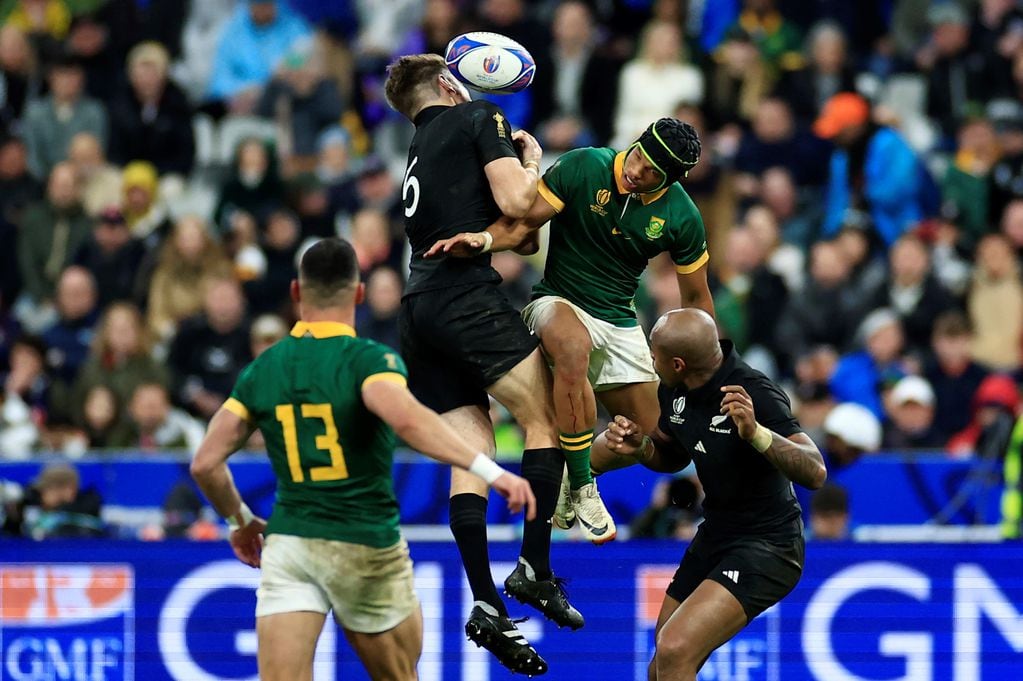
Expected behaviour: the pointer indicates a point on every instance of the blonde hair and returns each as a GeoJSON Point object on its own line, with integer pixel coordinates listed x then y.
{"type": "Point", "coordinates": [101, 342]}
{"type": "Point", "coordinates": [149, 51]}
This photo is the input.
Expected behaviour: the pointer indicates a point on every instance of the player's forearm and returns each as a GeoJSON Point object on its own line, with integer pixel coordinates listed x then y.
{"type": "Point", "coordinates": [217, 484]}
{"type": "Point", "coordinates": [516, 201]}
{"type": "Point", "coordinates": [509, 234]}
{"type": "Point", "coordinates": [800, 462]}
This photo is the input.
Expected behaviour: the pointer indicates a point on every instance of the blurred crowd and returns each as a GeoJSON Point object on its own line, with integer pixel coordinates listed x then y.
{"type": "Point", "coordinates": [163, 163]}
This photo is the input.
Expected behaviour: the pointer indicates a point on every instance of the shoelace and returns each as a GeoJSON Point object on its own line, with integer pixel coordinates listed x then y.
{"type": "Point", "coordinates": [560, 582]}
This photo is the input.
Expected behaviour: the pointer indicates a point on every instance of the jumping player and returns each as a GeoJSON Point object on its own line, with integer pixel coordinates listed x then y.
{"type": "Point", "coordinates": [736, 425]}
{"type": "Point", "coordinates": [326, 403]}
{"type": "Point", "coordinates": [462, 338]}
{"type": "Point", "coordinates": [610, 213]}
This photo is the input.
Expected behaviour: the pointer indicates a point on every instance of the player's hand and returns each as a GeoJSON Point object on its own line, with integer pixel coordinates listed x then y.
{"type": "Point", "coordinates": [518, 493]}
{"type": "Point", "coordinates": [623, 436]}
{"type": "Point", "coordinates": [738, 404]}
{"type": "Point", "coordinates": [247, 542]}
{"type": "Point", "coordinates": [527, 146]}
{"type": "Point", "coordinates": [464, 245]}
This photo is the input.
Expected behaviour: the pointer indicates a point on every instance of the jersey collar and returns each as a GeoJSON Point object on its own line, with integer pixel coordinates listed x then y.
{"type": "Point", "coordinates": [619, 169]}
{"type": "Point", "coordinates": [321, 330]}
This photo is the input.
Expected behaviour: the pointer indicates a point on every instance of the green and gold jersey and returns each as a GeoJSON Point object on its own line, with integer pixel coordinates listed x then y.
{"type": "Point", "coordinates": [332, 456]}
{"type": "Point", "coordinates": [603, 237]}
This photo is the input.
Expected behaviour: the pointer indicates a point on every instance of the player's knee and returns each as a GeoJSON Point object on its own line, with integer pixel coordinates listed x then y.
{"type": "Point", "coordinates": [571, 363]}
{"type": "Point", "coordinates": [677, 651]}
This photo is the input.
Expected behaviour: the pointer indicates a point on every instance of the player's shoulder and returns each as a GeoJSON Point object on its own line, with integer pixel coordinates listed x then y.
{"type": "Point", "coordinates": [478, 109]}
{"type": "Point", "coordinates": [374, 353]}
{"type": "Point", "coordinates": [586, 158]}
{"type": "Point", "coordinates": [757, 383]}
{"type": "Point", "coordinates": [679, 198]}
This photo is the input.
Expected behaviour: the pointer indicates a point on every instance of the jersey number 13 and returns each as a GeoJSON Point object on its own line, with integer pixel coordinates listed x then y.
{"type": "Point", "coordinates": [328, 442]}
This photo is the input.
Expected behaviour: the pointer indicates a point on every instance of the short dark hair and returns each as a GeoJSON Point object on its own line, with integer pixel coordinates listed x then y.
{"type": "Point", "coordinates": [829, 500]}
{"type": "Point", "coordinates": [328, 269]}
{"type": "Point", "coordinates": [952, 324]}
{"type": "Point", "coordinates": [412, 80]}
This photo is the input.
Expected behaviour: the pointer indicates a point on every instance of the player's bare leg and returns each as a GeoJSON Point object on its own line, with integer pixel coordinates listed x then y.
{"type": "Point", "coordinates": [488, 623]}
{"type": "Point", "coordinates": [287, 642]}
{"type": "Point", "coordinates": [526, 392]}
{"type": "Point", "coordinates": [391, 655]}
{"type": "Point", "coordinates": [688, 632]}
{"type": "Point", "coordinates": [638, 403]}
{"type": "Point", "coordinates": [567, 345]}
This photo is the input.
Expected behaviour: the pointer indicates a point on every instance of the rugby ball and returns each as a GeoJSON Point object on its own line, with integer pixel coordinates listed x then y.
{"type": "Point", "coordinates": [490, 62]}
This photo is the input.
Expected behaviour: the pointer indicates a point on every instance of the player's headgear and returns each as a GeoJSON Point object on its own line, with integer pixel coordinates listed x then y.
{"type": "Point", "coordinates": [673, 147]}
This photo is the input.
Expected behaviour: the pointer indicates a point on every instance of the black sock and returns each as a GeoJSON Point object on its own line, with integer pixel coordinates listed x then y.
{"type": "Point", "coordinates": [543, 469]}
{"type": "Point", "coordinates": [468, 519]}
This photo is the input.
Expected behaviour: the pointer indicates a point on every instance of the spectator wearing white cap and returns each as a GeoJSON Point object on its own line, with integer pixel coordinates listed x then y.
{"type": "Point", "coordinates": [851, 430]}
{"type": "Point", "coordinates": [910, 409]}
{"type": "Point", "coordinates": [860, 376]}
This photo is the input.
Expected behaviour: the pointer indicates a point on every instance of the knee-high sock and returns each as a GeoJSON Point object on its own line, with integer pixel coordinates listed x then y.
{"type": "Point", "coordinates": [543, 469]}
{"type": "Point", "coordinates": [468, 520]}
{"type": "Point", "coordinates": [577, 456]}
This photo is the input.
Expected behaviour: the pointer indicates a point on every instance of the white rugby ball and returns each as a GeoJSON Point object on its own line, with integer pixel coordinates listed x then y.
{"type": "Point", "coordinates": [490, 62]}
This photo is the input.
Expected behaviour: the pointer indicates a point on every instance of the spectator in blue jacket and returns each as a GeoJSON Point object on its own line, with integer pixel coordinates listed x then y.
{"type": "Point", "coordinates": [862, 376]}
{"type": "Point", "coordinates": [252, 44]}
{"type": "Point", "coordinates": [872, 168]}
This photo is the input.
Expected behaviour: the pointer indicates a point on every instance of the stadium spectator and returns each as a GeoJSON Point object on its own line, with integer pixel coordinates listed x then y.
{"type": "Point", "coordinates": [995, 408]}
{"type": "Point", "coordinates": [967, 179]}
{"type": "Point", "coordinates": [151, 119]}
{"type": "Point", "coordinates": [45, 21]}
{"type": "Point", "coordinates": [187, 259]}
{"type": "Point", "coordinates": [952, 372]}
{"type": "Point", "coordinates": [872, 168]}
{"type": "Point", "coordinates": [51, 232]}
{"type": "Point", "coordinates": [654, 83]}
{"type": "Point", "coordinates": [864, 375]}
{"type": "Point", "coordinates": [204, 23]}
{"type": "Point", "coordinates": [829, 514]}
{"type": "Point", "coordinates": [100, 36]}
{"type": "Point", "coordinates": [156, 425]}
{"type": "Point", "coordinates": [383, 301]}
{"type": "Point", "coordinates": [254, 187]}
{"type": "Point", "coordinates": [912, 291]}
{"type": "Point", "coordinates": [995, 304]}
{"type": "Point", "coordinates": [827, 72]}
{"type": "Point", "coordinates": [738, 80]}
{"type": "Point", "coordinates": [371, 239]}
{"type": "Point", "coordinates": [69, 338]}
{"type": "Point", "coordinates": [103, 425]}
{"type": "Point", "coordinates": [910, 412]}
{"type": "Point", "coordinates": [309, 198]}
{"type": "Point", "coordinates": [783, 259]}
{"type": "Point", "coordinates": [266, 330]}
{"type": "Point", "coordinates": [1011, 225]}
{"type": "Point", "coordinates": [249, 49]}
{"type": "Point", "coordinates": [56, 506]}
{"type": "Point", "coordinates": [850, 431]}
{"type": "Point", "coordinates": [24, 397]}
{"type": "Point", "coordinates": [270, 291]}
{"type": "Point", "coordinates": [1006, 183]}
{"type": "Point", "coordinates": [120, 358]}
{"type": "Point", "coordinates": [518, 277]}
{"type": "Point", "coordinates": [99, 180]}
{"type": "Point", "coordinates": [775, 37]}
{"type": "Point", "coordinates": [303, 102]}
{"type": "Point", "coordinates": [18, 188]}
{"type": "Point", "coordinates": [813, 401]}
{"type": "Point", "coordinates": [145, 214]}
{"type": "Point", "coordinates": [374, 188]}
{"type": "Point", "coordinates": [113, 256]}
{"type": "Point", "coordinates": [775, 140]}
{"type": "Point", "coordinates": [796, 216]}
{"type": "Point", "coordinates": [19, 75]}
{"type": "Point", "coordinates": [856, 241]}
{"type": "Point", "coordinates": [334, 158]}
{"type": "Point", "coordinates": [574, 101]}
{"type": "Point", "coordinates": [210, 349]}
{"type": "Point", "coordinates": [673, 513]}
{"type": "Point", "coordinates": [50, 123]}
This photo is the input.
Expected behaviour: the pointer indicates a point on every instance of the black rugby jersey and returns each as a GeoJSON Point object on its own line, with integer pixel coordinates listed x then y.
{"type": "Point", "coordinates": [745, 493]}
{"type": "Point", "coordinates": [445, 189]}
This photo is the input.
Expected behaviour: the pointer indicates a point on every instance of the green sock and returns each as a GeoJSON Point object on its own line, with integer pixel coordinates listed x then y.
{"type": "Point", "coordinates": [577, 457]}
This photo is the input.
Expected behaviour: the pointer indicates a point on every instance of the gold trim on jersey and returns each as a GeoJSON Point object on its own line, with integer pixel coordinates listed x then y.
{"type": "Point", "coordinates": [321, 330]}
{"type": "Point", "coordinates": [389, 376]}
{"type": "Point", "coordinates": [238, 409]}
{"type": "Point", "coordinates": [619, 170]}
{"type": "Point", "coordinates": [693, 266]}
{"type": "Point", "coordinates": [543, 190]}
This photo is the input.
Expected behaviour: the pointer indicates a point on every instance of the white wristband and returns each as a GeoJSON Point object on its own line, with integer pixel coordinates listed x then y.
{"type": "Point", "coordinates": [484, 467]}
{"type": "Point", "coordinates": [240, 519]}
{"type": "Point", "coordinates": [762, 439]}
{"type": "Point", "coordinates": [488, 241]}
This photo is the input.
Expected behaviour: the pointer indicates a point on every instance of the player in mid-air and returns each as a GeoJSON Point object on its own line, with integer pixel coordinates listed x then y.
{"type": "Point", "coordinates": [462, 338]}
{"type": "Point", "coordinates": [328, 405]}
{"type": "Point", "coordinates": [610, 213]}
{"type": "Point", "coordinates": [737, 426]}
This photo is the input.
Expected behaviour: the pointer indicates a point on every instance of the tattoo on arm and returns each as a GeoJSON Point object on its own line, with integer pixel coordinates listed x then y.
{"type": "Point", "coordinates": [798, 458]}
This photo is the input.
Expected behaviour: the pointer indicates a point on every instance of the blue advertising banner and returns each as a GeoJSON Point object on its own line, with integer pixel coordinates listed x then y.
{"type": "Point", "coordinates": [100, 611]}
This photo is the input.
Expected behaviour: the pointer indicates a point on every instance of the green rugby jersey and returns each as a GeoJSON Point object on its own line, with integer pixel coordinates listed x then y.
{"type": "Point", "coordinates": [332, 456]}
{"type": "Point", "coordinates": [603, 237]}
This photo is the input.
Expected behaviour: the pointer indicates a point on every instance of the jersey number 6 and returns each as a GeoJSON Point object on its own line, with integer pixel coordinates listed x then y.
{"type": "Point", "coordinates": [410, 184]}
{"type": "Point", "coordinates": [337, 470]}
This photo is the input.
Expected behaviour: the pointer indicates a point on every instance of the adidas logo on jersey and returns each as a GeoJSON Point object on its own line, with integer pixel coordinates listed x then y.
{"type": "Point", "coordinates": [732, 575]}
{"type": "Point", "coordinates": [699, 447]}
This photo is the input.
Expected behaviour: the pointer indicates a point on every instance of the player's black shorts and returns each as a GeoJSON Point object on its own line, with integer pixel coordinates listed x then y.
{"type": "Point", "coordinates": [758, 571]}
{"type": "Point", "coordinates": [458, 341]}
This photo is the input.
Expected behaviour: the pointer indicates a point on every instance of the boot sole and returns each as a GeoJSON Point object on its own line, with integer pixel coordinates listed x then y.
{"type": "Point", "coordinates": [484, 638]}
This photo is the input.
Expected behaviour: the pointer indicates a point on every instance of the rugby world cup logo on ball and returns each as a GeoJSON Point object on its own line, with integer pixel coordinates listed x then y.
{"type": "Point", "coordinates": [490, 62]}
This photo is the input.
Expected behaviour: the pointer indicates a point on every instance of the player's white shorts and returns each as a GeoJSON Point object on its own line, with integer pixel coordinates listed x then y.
{"type": "Point", "coordinates": [370, 590]}
{"type": "Point", "coordinates": [620, 355]}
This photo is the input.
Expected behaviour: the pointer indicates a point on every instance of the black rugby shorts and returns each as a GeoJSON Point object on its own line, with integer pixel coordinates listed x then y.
{"type": "Point", "coordinates": [458, 341]}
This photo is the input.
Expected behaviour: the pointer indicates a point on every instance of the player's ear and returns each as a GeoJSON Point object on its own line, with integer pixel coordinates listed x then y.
{"type": "Point", "coordinates": [360, 293]}
{"type": "Point", "coordinates": [679, 364]}
{"type": "Point", "coordinates": [296, 292]}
